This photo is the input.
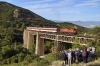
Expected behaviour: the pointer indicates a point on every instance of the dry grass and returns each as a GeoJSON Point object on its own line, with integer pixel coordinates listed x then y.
{"type": "Point", "coordinates": [94, 63]}
{"type": "Point", "coordinates": [57, 63]}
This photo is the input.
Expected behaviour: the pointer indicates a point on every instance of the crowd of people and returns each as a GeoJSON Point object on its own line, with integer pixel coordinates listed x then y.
{"type": "Point", "coordinates": [77, 55]}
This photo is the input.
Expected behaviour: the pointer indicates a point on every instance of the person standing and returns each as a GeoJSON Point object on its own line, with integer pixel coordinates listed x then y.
{"type": "Point", "coordinates": [65, 57]}
{"type": "Point", "coordinates": [76, 56]}
{"type": "Point", "coordinates": [93, 53]}
{"type": "Point", "coordinates": [73, 56]}
{"type": "Point", "coordinates": [69, 57]}
{"type": "Point", "coordinates": [84, 55]}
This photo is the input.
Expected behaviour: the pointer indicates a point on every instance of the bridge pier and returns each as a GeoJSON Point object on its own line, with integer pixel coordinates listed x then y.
{"type": "Point", "coordinates": [28, 39]}
{"type": "Point", "coordinates": [57, 46]}
{"type": "Point", "coordinates": [39, 45]}
{"type": "Point", "coordinates": [25, 34]}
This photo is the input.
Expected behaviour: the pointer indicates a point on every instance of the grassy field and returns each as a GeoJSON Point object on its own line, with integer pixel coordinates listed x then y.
{"type": "Point", "coordinates": [94, 63]}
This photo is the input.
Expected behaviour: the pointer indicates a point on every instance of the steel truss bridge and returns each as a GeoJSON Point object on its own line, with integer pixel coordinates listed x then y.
{"type": "Point", "coordinates": [51, 34]}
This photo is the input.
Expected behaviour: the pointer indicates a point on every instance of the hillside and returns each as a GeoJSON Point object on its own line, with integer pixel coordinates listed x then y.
{"type": "Point", "coordinates": [9, 13]}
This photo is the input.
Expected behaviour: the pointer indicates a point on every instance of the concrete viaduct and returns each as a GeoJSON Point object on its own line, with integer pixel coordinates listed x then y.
{"type": "Point", "coordinates": [47, 33]}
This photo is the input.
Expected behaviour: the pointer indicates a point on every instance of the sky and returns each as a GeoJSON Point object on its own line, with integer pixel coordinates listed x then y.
{"type": "Point", "coordinates": [64, 10]}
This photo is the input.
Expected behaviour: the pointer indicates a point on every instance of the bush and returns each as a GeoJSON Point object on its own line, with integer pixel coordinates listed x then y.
{"type": "Point", "coordinates": [52, 57]}
{"type": "Point", "coordinates": [40, 62]}
{"type": "Point", "coordinates": [21, 57]}
{"type": "Point", "coordinates": [29, 58]}
{"type": "Point", "coordinates": [46, 61]}
{"type": "Point", "coordinates": [14, 59]}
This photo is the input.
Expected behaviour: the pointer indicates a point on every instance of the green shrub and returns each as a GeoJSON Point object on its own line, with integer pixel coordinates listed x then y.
{"type": "Point", "coordinates": [52, 57]}
{"type": "Point", "coordinates": [46, 61]}
{"type": "Point", "coordinates": [4, 61]}
{"type": "Point", "coordinates": [28, 58]}
{"type": "Point", "coordinates": [14, 59]}
{"type": "Point", "coordinates": [21, 57]}
{"type": "Point", "coordinates": [40, 62]}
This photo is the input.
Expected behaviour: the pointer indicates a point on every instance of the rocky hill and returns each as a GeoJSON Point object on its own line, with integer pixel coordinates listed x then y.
{"type": "Point", "coordinates": [7, 9]}
{"type": "Point", "coordinates": [9, 13]}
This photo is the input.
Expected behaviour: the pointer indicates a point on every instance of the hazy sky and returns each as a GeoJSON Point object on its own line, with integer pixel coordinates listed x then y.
{"type": "Point", "coordinates": [65, 10]}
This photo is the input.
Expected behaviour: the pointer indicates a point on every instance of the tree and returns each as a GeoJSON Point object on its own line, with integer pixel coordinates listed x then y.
{"type": "Point", "coordinates": [5, 24]}
{"type": "Point", "coordinates": [18, 26]}
{"type": "Point", "coordinates": [6, 51]}
{"type": "Point", "coordinates": [48, 46]}
{"type": "Point", "coordinates": [96, 31]}
{"type": "Point", "coordinates": [21, 57]}
{"type": "Point", "coordinates": [23, 26]}
{"type": "Point", "coordinates": [32, 49]}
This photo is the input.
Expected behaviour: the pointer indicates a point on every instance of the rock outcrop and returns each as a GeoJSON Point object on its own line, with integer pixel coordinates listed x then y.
{"type": "Point", "coordinates": [16, 13]}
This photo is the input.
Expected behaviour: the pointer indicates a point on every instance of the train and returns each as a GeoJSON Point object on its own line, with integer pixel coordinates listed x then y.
{"type": "Point", "coordinates": [65, 31]}
{"type": "Point", "coordinates": [68, 31]}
